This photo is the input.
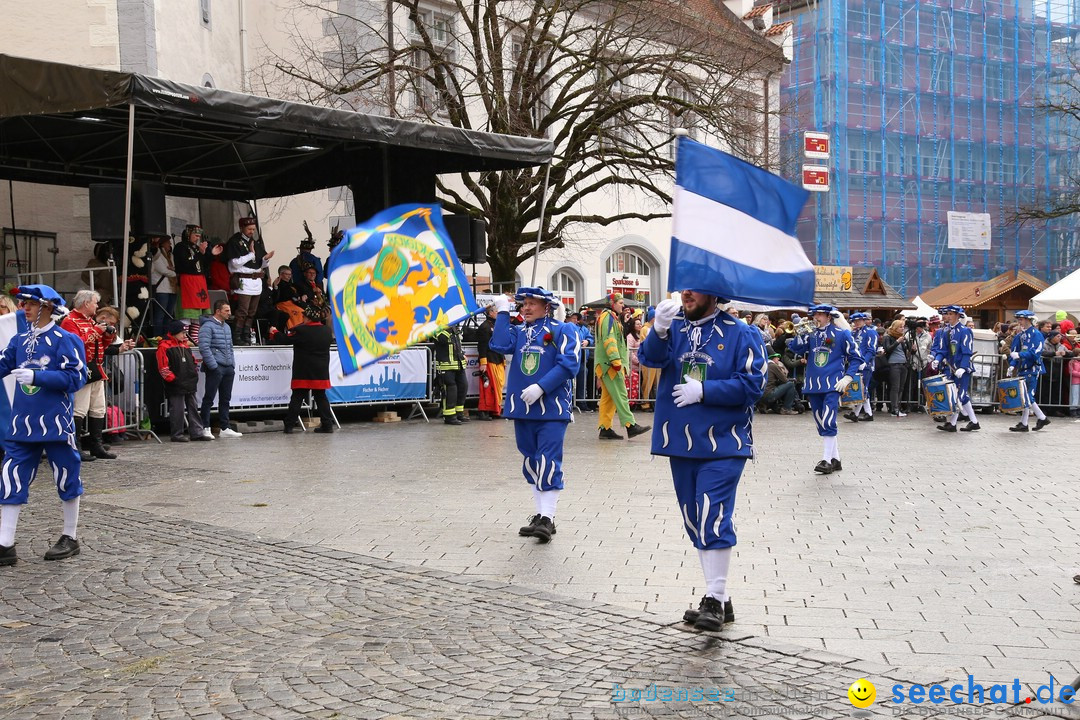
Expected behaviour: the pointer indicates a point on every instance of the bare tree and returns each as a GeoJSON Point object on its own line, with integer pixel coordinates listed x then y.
{"type": "Point", "coordinates": [604, 80]}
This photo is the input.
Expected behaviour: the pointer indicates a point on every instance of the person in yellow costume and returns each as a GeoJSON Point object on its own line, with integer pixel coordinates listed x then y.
{"type": "Point", "coordinates": [612, 363]}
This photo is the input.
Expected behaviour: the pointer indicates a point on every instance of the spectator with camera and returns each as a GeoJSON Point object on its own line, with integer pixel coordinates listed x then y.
{"type": "Point", "coordinates": [89, 406]}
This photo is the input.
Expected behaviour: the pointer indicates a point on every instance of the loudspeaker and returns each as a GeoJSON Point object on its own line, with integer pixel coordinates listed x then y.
{"type": "Point", "coordinates": [147, 210]}
{"type": "Point", "coordinates": [107, 212]}
{"type": "Point", "coordinates": [469, 236]}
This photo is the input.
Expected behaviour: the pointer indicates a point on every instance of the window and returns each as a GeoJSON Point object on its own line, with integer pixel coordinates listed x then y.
{"type": "Point", "coordinates": [438, 25]}
{"type": "Point", "coordinates": [426, 97]}
{"type": "Point", "coordinates": [531, 88]}
{"type": "Point", "coordinates": [627, 261]}
{"type": "Point", "coordinates": [440, 29]}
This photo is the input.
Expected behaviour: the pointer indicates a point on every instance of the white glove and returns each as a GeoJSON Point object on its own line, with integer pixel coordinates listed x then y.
{"type": "Point", "coordinates": [502, 304]}
{"type": "Point", "coordinates": [1012, 371]}
{"type": "Point", "coordinates": [665, 313]}
{"type": "Point", "coordinates": [933, 364]}
{"type": "Point", "coordinates": [23, 376]}
{"type": "Point", "coordinates": [881, 350]}
{"type": "Point", "coordinates": [532, 393]}
{"type": "Point", "coordinates": [842, 383]}
{"type": "Point", "coordinates": [862, 367]}
{"type": "Point", "coordinates": [688, 393]}
{"type": "Point", "coordinates": [959, 373]}
{"type": "Point", "coordinates": [1014, 355]}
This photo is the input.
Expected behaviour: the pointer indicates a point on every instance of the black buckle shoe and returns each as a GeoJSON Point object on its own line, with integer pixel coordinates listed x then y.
{"type": "Point", "coordinates": [634, 430]}
{"type": "Point", "coordinates": [1019, 427]}
{"type": "Point", "coordinates": [824, 467]}
{"type": "Point", "coordinates": [868, 418]}
{"type": "Point", "coordinates": [710, 615]}
{"type": "Point", "coordinates": [609, 434]}
{"type": "Point", "coordinates": [836, 466]}
{"type": "Point", "coordinates": [7, 556]}
{"type": "Point", "coordinates": [971, 427]}
{"type": "Point", "coordinates": [690, 616]}
{"type": "Point", "coordinates": [947, 427]}
{"type": "Point", "coordinates": [527, 530]}
{"type": "Point", "coordinates": [1040, 424]}
{"type": "Point", "coordinates": [543, 529]}
{"type": "Point", "coordinates": [851, 416]}
{"type": "Point", "coordinates": [65, 547]}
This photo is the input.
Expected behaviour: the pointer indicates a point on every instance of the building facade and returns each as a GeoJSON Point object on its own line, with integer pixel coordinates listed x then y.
{"type": "Point", "coordinates": [932, 107]}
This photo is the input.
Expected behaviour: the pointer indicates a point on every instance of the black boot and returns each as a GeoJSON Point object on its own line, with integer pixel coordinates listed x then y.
{"type": "Point", "coordinates": [635, 430]}
{"type": "Point", "coordinates": [96, 427]}
{"type": "Point", "coordinates": [710, 615]}
{"type": "Point", "coordinates": [80, 431]}
{"type": "Point", "coordinates": [690, 616]}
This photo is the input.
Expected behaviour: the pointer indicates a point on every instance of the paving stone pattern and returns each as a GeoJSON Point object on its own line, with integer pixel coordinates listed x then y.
{"type": "Point", "coordinates": [376, 573]}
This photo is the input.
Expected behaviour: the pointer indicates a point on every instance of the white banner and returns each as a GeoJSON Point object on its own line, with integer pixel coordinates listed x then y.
{"type": "Point", "coordinates": [969, 231]}
{"type": "Point", "coordinates": [263, 377]}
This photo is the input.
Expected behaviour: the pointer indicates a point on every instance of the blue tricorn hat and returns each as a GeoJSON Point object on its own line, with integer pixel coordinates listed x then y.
{"type": "Point", "coordinates": [951, 308]}
{"type": "Point", "coordinates": [536, 292]}
{"type": "Point", "coordinates": [39, 293]}
{"type": "Point", "coordinates": [1025, 314]}
{"type": "Point", "coordinates": [858, 316]}
{"type": "Point", "coordinates": [824, 309]}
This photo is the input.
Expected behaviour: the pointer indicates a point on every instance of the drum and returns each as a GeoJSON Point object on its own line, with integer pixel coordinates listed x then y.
{"type": "Point", "coordinates": [940, 395]}
{"type": "Point", "coordinates": [855, 393]}
{"type": "Point", "coordinates": [1012, 395]}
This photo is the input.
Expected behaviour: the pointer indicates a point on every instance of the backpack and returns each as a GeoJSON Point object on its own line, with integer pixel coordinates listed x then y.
{"type": "Point", "coordinates": [114, 418]}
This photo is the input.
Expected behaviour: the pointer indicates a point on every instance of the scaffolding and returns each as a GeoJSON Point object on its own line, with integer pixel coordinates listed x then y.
{"type": "Point", "coordinates": [934, 107]}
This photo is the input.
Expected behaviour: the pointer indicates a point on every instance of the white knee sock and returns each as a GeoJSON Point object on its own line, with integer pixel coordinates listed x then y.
{"type": "Point", "coordinates": [548, 500]}
{"type": "Point", "coordinates": [970, 412]}
{"type": "Point", "coordinates": [1024, 415]}
{"type": "Point", "coordinates": [536, 499]}
{"type": "Point", "coordinates": [1038, 411]}
{"type": "Point", "coordinates": [71, 516]}
{"type": "Point", "coordinates": [867, 408]}
{"type": "Point", "coordinates": [953, 418]}
{"type": "Point", "coordinates": [715, 564]}
{"type": "Point", "coordinates": [9, 518]}
{"type": "Point", "coordinates": [832, 449]}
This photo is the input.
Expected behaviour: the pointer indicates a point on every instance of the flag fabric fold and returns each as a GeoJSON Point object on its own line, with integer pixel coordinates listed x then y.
{"type": "Point", "coordinates": [393, 281]}
{"type": "Point", "coordinates": [733, 231]}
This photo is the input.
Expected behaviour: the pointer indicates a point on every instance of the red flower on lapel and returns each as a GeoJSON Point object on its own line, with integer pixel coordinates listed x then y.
{"type": "Point", "coordinates": [548, 337]}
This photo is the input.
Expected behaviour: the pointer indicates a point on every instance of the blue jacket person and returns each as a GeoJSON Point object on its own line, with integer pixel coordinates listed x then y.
{"type": "Point", "coordinates": [1025, 360]}
{"type": "Point", "coordinates": [952, 351]}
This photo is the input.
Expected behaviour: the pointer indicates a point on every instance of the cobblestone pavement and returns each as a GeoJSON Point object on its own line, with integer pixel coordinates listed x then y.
{"type": "Point", "coordinates": [376, 572]}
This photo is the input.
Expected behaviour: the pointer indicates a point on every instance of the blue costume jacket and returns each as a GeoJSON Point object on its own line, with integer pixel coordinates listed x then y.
{"type": "Point", "coordinates": [728, 356]}
{"type": "Point", "coordinates": [42, 412]}
{"type": "Point", "coordinates": [831, 354]}
{"type": "Point", "coordinates": [551, 364]}
{"type": "Point", "coordinates": [954, 348]}
{"type": "Point", "coordinates": [867, 341]}
{"type": "Point", "coordinates": [1028, 344]}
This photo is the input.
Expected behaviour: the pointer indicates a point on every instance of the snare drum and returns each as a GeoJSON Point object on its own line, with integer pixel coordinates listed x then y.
{"type": "Point", "coordinates": [940, 395]}
{"type": "Point", "coordinates": [855, 393]}
{"type": "Point", "coordinates": [1012, 395]}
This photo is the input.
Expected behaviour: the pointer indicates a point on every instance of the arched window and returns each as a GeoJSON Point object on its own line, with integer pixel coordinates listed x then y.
{"type": "Point", "coordinates": [567, 286]}
{"type": "Point", "coordinates": [629, 273]}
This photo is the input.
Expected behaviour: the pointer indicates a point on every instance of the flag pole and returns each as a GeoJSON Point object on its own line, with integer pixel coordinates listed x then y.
{"type": "Point", "coordinates": [540, 230]}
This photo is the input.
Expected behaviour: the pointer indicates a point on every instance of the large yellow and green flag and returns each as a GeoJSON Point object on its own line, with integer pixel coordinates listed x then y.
{"type": "Point", "coordinates": [393, 281]}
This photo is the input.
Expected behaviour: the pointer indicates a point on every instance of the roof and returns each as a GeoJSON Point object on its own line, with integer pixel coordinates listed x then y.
{"type": "Point", "coordinates": [757, 11]}
{"type": "Point", "coordinates": [778, 29]}
{"type": "Point", "coordinates": [979, 292]}
{"type": "Point", "coordinates": [718, 17]}
{"type": "Point", "coordinates": [68, 125]}
{"type": "Point", "coordinates": [868, 292]}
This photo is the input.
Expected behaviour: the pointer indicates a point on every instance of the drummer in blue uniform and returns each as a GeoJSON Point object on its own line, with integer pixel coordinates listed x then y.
{"type": "Point", "coordinates": [951, 351]}
{"type": "Point", "coordinates": [1025, 360]}
{"type": "Point", "coordinates": [833, 359]}
{"type": "Point", "coordinates": [866, 340]}
{"type": "Point", "coordinates": [539, 395]}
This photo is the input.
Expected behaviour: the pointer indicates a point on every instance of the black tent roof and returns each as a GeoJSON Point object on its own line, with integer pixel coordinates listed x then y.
{"type": "Point", "coordinates": [68, 125]}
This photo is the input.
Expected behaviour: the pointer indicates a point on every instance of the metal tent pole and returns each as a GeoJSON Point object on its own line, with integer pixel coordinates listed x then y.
{"type": "Point", "coordinates": [127, 218]}
{"type": "Point", "coordinates": [540, 230]}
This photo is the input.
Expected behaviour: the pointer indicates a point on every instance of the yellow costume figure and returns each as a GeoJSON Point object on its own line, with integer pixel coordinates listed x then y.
{"type": "Point", "coordinates": [612, 362]}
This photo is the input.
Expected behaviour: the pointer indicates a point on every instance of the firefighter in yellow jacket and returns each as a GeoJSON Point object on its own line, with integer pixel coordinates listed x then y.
{"type": "Point", "coordinates": [612, 363]}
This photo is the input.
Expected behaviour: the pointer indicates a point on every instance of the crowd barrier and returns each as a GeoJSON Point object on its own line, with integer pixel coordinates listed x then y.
{"type": "Point", "coordinates": [410, 378]}
{"type": "Point", "coordinates": [125, 407]}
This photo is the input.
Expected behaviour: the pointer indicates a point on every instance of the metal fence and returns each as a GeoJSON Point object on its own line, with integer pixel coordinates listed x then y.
{"type": "Point", "coordinates": [125, 406]}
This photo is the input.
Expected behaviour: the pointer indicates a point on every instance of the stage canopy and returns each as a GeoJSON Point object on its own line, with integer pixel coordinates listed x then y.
{"type": "Point", "coordinates": [68, 125]}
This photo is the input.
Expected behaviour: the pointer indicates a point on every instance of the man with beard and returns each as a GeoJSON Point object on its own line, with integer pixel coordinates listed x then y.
{"type": "Point", "coordinates": [712, 372]}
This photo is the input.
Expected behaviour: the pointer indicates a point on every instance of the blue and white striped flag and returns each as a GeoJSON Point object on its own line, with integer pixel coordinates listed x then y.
{"type": "Point", "coordinates": [734, 231]}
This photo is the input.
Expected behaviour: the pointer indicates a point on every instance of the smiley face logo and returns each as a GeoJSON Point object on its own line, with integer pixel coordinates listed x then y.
{"type": "Point", "coordinates": [862, 693]}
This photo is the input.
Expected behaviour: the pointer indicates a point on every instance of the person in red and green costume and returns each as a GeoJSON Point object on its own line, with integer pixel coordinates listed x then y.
{"type": "Point", "coordinates": [612, 363]}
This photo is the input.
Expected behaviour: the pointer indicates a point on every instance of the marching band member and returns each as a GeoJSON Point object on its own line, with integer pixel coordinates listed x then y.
{"type": "Point", "coordinates": [539, 395]}
{"type": "Point", "coordinates": [866, 340]}
{"type": "Point", "coordinates": [712, 372]}
{"type": "Point", "coordinates": [1025, 360]}
{"type": "Point", "coordinates": [833, 359]}
{"type": "Point", "coordinates": [48, 365]}
{"type": "Point", "coordinates": [952, 351]}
